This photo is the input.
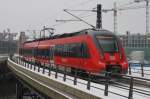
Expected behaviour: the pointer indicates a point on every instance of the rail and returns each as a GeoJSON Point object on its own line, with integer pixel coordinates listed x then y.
{"type": "Point", "coordinates": [107, 81]}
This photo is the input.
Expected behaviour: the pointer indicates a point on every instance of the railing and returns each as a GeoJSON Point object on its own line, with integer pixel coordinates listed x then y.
{"type": "Point", "coordinates": [49, 68]}
{"type": "Point", "coordinates": [139, 70]}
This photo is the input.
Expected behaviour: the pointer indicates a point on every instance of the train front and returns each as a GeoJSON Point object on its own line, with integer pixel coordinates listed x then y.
{"type": "Point", "coordinates": [112, 54]}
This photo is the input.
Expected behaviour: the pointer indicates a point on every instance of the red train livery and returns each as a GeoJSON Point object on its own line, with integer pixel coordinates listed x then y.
{"type": "Point", "coordinates": [88, 50]}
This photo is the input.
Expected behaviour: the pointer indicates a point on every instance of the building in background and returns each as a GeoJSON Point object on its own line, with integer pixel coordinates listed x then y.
{"type": "Point", "coordinates": [7, 42]}
{"type": "Point", "coordinates": [136, 42]}
{"type": "Point", "coordinates": [22, 39]}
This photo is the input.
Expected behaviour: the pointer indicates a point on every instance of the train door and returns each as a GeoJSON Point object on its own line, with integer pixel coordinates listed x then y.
{"type": "Point", "coordinates": [51, 53]}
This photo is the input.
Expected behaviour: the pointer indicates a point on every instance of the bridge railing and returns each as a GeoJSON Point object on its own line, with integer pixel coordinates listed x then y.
{"type": "Point", "coordinates": [139, 69]}
{"type": "Point", "coordinates": [107, 80]}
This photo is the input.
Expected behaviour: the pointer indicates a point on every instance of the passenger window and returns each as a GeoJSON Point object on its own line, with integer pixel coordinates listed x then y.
{"type": "Point", "coordinates": [72, 50]}
{"type": "Point", "coordinates": [58, 50]}
{"type": "Point", "coordinates": [75, 50]}
{"type": "Point", "coordinates": [85, 51]}
{"type": "Point", "coordinates": [65, 50]}
{"type": "Point", "coordinates": [79, 50]}
{"type": "Point", "coordinates": [51, 52]}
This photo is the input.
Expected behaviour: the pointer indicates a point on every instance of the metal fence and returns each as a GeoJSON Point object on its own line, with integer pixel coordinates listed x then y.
{"type": "Point", "coordinates": [129, 86]}
{"type": "Point", "coordinates": [140, 70]}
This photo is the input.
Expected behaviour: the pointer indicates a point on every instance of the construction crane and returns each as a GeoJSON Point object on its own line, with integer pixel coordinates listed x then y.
{"type": "Point", "coordinates": [116, 9]}
{"type": "Point", "coordinates": [147, 13]}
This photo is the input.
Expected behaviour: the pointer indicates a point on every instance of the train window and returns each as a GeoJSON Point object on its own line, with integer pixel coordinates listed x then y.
{"type": "Point", "coordinates": [78, 50]}
{"type": "Point", "coordinates": [47, 52]}
{"type": "Point", "coordinates": [108, 44]}
{"type": "Point", "coordinates": [85, 51]}
{"type": "Point", "coordinates": [65, 50]}
{"type": "Point", "coordinates": [43, 52]}
{"type": "Point", "coordinates": [72, 50]}
{"type": "Point", "coordinates": [58, 50]}
{"type": "Point", "coordinates": [39, 52]}
{"type": "Point", "coordinates": [75, 50]}
{"type": "Point", "coordinates": [32, 52]}
{"type": "Point", "coordinates": [35, 52]}
{"type": "Point", "coordinates": [51, 52]}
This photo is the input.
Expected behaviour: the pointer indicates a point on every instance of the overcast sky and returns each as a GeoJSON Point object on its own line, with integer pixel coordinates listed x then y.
{"type": "Point", "coordinates": [21, 15]}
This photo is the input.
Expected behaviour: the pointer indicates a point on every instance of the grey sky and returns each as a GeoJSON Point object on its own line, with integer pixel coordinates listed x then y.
{"type": "Point", "coordinates": [21, 15]}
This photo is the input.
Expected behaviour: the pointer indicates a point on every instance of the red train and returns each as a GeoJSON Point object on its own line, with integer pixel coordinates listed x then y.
{"type": "Point", "coordinates": [88, 50]}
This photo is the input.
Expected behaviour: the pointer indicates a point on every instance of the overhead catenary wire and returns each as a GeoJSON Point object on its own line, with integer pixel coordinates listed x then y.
{"type": "Point", "coordinates": [85, 2]}
{"type": "Point", "coordinates": [120, 8]}
{"type": "Point", "coordinates": [79, 18]}
{"type": "Point", "coordinates": [104, 10]}
{"type": "Point", "coordinates": [70, 20]}
{"type": "Point", "coordinates": [73, 6]}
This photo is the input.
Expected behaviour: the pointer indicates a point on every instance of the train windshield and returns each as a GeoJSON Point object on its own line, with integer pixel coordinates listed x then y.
{"type": "Point", "coordinates": [108, 44]}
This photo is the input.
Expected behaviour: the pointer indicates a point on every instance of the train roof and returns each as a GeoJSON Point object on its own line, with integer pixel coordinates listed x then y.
{"type": "Point", "coordinates": [82, 32]}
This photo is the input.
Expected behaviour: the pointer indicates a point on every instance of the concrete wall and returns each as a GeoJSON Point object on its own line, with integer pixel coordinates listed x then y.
{"type": "Point", "coordinates": [48, 86]}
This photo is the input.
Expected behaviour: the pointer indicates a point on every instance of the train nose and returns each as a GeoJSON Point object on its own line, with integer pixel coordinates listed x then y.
{"type": "Point", "coordinates": [112, 58]}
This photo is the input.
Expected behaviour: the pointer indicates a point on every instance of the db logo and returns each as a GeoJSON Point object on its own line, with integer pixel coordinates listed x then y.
{"type": "Point", "coordinates": [112, 58]}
